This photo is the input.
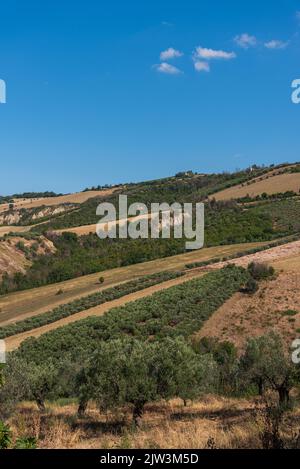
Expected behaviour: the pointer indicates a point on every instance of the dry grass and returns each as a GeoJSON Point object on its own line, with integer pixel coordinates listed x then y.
{"type": "Point", "coordinates": [244, 316]}
{"type": "Point", "coordinates": [13, 259]}
{"type": "Point", "coordinates": [281, 183]}
{"type": "Point", "coordinates": [229, 423]}
{"type": "Point", "coordinates": [213, 422]}
{"type": "Point", "coordinates": [13, 229]}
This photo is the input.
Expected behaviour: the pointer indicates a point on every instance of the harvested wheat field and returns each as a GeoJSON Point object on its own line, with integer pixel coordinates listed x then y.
{"type": "Point", "coordinates": [13, 229]}
{"type": "Point", "coordinates": [272, 185]}
{"type": "Point", "coordinates": [214, 422]}
{"type": "Point", "coordinates": [23, 304]}
{"type": "Point", "coordinates": [76, 198]}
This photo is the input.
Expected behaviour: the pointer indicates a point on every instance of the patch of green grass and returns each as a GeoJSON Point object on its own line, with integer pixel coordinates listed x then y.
{"type": "Point", "coordinates": [289, 312]}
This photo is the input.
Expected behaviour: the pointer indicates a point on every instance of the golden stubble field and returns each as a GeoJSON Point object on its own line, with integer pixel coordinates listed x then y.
{"type": "Point", "coordinates": [272, 185]}
{"type": "Point", "coordinates": [76, 198]}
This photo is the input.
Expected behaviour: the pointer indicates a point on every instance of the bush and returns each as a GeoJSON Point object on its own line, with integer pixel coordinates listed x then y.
{"type": "Point", "coordinates": [251, 286]}
{"type": "Point", "coordinates": [5, 436]}
{"type": "Point", "coordinates": [260, 271]}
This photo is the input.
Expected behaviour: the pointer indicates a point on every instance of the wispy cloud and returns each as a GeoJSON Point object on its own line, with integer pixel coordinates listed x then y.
{"type": "Point", "coordinates": [164, 67]}
{"type": "Point", "coordinates": [298, 15]}
{"type": "Point", "coordinates": [245, 40]}
{"type": "Point", "coordinates": [276, 44]}
{"type": "Point", "coordinates": [209, 54]}
{"type": "Point", "coordinates": [170, 54]}
{"type": "Point", "coordinates": [201, 66]}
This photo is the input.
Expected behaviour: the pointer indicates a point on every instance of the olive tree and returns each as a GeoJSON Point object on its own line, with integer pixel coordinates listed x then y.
{"type": "Point", "coordinates": [127, 371]}
{"type": "Point", "coordinates": [266, 364]}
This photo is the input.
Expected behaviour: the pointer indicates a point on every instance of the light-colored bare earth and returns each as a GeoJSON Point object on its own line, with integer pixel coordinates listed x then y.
{"type": "Point", "coordinates": [244, 316]}
{"type": "Point", "coordinates": [23, 304]}
{"type": "Point", "coordinates": [13, 259]}
{"type": "Point", "coordinates": [272, 185]}
{"type": "Point", "coordinates": [77, 197]}
{"type": "Point", "coordinates": [14, 341]}
{"type": "Point", "coordinates": [105, 227]}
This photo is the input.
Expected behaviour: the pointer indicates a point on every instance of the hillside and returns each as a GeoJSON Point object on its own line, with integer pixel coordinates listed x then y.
{"type": "Point", "coordinates": [274, 182]}
{"type": "Point", "coordinates": [225, 223]}
{"type": "Point", "coordinates": [174, 325]}
{"type": "Point", "coordinates": [76, 198]}
{"type": "Point", "coordinates": [18, 253]}
{"type": "Point", "coordinates": [24, 304]}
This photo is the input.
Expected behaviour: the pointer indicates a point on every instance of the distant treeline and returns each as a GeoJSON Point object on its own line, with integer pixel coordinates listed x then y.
{"type": "Point", "coordinates": [4, 199]}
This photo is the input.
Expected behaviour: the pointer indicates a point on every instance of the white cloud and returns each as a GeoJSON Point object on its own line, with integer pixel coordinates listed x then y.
{"type": "Point", "coordinates": [201, 66]}
{"type": "Point", "coordinates": [245, 40]}
{"type": "Point", "coordinates": [164, 67]}
{"type": "Point", "coordinates": [298, 15]}
{"type": "Point", "coordinates": [170, 54]}
{"type": "Point", "coordinates": [209, 54]}
{"type": "Point", "coordinates": [276, 44]}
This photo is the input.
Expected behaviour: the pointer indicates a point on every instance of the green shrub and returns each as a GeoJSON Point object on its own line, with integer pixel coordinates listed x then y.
{"type": "Point", "coordinates": [260, 271]}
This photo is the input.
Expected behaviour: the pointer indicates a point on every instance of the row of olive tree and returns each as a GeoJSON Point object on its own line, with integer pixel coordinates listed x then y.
{"type": "Point", "coordinates": [129, 372]}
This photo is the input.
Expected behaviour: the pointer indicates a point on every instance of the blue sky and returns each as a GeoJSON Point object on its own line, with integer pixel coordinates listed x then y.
{"type": "Point", "coordinates": [105, 92]}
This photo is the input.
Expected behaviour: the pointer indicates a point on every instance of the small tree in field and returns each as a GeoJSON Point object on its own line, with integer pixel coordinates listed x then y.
{"type": "Point", "coordinates": [118, 374]}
